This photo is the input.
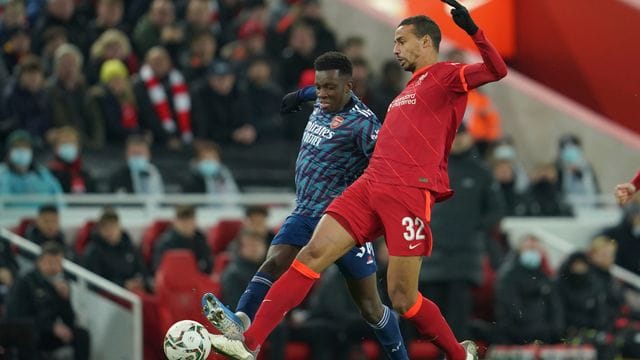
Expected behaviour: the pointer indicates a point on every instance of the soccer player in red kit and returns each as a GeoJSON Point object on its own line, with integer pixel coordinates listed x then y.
{"type": "Point", "coordinates": [624, 192]}
{"type": "Point", "coordinates": [406, 175]}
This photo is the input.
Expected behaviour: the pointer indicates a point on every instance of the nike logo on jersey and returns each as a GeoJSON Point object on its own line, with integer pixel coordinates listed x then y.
{"type": "Point", "coordinates": [413, 246]}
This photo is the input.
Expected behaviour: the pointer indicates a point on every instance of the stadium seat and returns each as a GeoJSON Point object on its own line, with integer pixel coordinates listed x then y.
{"type": "Point", "coordinates": [483, 295]}
{"type": "Point", "coordinates": [149, 237]}
{"type": "Point", "coordinates": [220, 262]}
{"type": "Point", "coordinates": [179, 287]}
{"type": "Point", "coordinates": [83, 236]}
{"type": "Point", "coordinates": [221, 234]}
{"type": "Point", "coordinates": [23, 225]}
{"type": "Point", "coordinates": [422, 350]}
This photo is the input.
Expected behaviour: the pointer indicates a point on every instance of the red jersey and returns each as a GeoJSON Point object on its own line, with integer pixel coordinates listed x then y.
{"type": "Point", "coordinates": [414, 141]}
{"type": "Point", "coordinates": [636, 181]}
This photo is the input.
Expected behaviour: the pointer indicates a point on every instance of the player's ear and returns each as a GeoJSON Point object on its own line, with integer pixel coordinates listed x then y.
{"type": "Point", "coordinates": [348, 86]}
{"type": "Point", "coordinates": [427, 41]}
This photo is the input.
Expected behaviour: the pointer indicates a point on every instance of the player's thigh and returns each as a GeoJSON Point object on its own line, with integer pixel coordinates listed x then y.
{"type": "Point", "coordinates": [403, 273]}
{"type": "Point", "coordinates": [329, 242]}
{"type": "Point", "coordinates": [294, 233]}
{"type": "Point", "coordinates": [279, 258]}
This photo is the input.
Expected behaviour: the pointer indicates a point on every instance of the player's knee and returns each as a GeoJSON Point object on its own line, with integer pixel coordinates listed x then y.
{"type": "Point", "coordinates": [274, 266]}
{"type": "Point", "coordinates": [401, 300]}
{"type": "Point", "coordinates": [371, 310]}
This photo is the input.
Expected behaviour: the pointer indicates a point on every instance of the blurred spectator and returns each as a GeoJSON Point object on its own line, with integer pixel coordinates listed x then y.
{"type": "Point", "coordinates": [361, 79]}
{"type": "Point", "coordinates": [546, 198]}
{"type": "Point", "coordinates": [46, 228]}
{"type": "Point", "coordinates": [15, 47]}
{"type": "Point", "coordinates": [8, 270]}
{"type": "Point", "coordinates": [455, 265]}
{"type": "Point", "coordinates": [20, 174]}
{"type": "Point", "coordinates": [265, 97]}
{"type": "Point", "coordinates": [585, 305]}
{"type": "Point", "coordinates": [505, 150]}
{"type": "Point", "coordinates": [481, 117]}
{"type": "Point", "coordinates": [354, 48]}
{"type": "Point", "coordinates": [66, 89]}
{"type": "Point", "coordinates": [298, 56]}
{"type": "Point", "coordinates": [43, 296]}
{"type": "Point", "coordinates": [255, 220]}
{"type": "Point", "coordinates": [61, 13]}
{"type": "Point", "coordinates": [14, 16]}
{"type": "Point", "coordinates": [250, 251]}
{"type": "Point", "coordinates": [52, 38]}
{"type": "Point", "coordinates": [627, 235]}
{"type": "Point", "coordinates": [158, 27]}
{"type": "Point", "coordinates": [67, 164]}
{"type": "Point", "coordinates": [113, 44]}
{"type": "Point", "coordinates": [138, 176]}
{"type": "Point", "coordinates": [198, 20]}
{"type": "Point", "coordinates": [576, 177]}
{"type": "Point", "coordinates": [391, 84]}
{"type": "Point", "coordinates": [109, 15]}
{"type": "Point", "coordinates": [528, 306]}
{"type": "Point", "coordinates": [163, 100]}
{"type": "Point", "coordinates": [111, 106]}
{"type": "Point", "coordinates": [112, 255]}
{"type": "Point", "coordinates": [185, 235]}
{"type": "Point", "coordinates": [24, 104]}
{"type": "Point", "coordinates": [221, 109]}
{"type": "Point", "coordinates": [311, 14]}
{"type": "Point", "coordinates": [208, 175]}
{"type": "Point", "coordinates": [516, 203]}
{"type": "Point", "coordinates": [201, 53]}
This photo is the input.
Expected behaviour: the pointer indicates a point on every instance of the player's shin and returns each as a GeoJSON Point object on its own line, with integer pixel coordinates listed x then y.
{"type": "Point", "coordinates": [254, 294]}
{"type": "Point", "coordinates": [388, 333]}
{"type": "Point", "coordinates": [285, 294]}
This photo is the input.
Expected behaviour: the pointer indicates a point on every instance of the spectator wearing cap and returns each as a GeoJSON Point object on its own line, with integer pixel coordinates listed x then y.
{"type": "Point", "coordinates": [61, 13]}
{"type": "Point", "coordinates": [67, 165]}
{"type": "Point", "coordinates": [20, 174]}
{"type": "Point", "coordinates": [576, 176]}
{"type": "Point", "coordinates": [24, 104]}
{"type": "Point", "coordinates": [138, 175]}
{"type": "Point", "coordinates": [221, 109]}
{"type": "Point", "coordinates": [111, 106]}
{"type": "Point", "coordinates": [201, 53]}
{"type": "Point", "coordinates": [185, 235]}
{"type": "Point", "coordinates": [207, 174]}
{"type": "Point", "coordinates": [66, 89]}
{"type": "Point", "coordinates": [163, 99]}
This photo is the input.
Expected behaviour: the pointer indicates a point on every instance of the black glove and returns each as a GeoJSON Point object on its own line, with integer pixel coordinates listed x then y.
{"type": "Point", "coordinates": [291, 103]}
{"type": "Point", "coordinates": [461, 17]}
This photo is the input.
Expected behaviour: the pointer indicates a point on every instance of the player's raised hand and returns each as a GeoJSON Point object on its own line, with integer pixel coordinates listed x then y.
{"type": "Point", "coordinates": [461, 17]}
{"type": "Point", "coordinates": [624, 192]}
{"type": "Point", "coordinates": [290, 103]}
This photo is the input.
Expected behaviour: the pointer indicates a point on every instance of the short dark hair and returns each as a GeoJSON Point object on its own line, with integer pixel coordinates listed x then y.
{"type": "Point", "coordinates": [108, 215]}
{"type": "Point", "coordinates": [334, 60]}
{"type": "Point", "coordinates": [185, 212]}
{"type": "Point", "coordinates": [136, 139]}
{"type": "Point", "coordinates": [51, 248]}
{"type": "Point", "coordinates": [204, 146]}
{"type": "Point", "coordinates": [424, 25]}
{"type": "Point", "coordinates": [28, 64]}
{"type": "Point", "coordinates": [256, 210]}
{"type": "Point", "coordinates": [47, 208]}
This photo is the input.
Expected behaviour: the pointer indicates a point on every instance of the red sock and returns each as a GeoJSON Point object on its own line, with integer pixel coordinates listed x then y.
{"type": "Point", "coordinates": [285, 294]}
{"type": "Point", "coordinates": [427, 318]}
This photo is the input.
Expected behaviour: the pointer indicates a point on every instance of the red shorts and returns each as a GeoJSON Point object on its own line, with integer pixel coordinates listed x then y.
{"type": "Point", "coordinates": [402, 214]}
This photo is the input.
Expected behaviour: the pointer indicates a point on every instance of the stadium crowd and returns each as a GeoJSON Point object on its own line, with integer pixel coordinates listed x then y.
{"type": "Point", "coordinates": [144, 97]}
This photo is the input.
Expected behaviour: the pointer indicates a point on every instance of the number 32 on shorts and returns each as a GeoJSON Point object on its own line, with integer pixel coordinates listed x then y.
{"type": "Point", "coordinates": [414, 228]}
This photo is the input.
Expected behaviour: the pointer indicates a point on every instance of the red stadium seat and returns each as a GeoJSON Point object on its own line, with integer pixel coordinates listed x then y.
{"type": "Point", "coordinates": [179, 287]}
{"type": "Point", "coordinates": [83, 236]}
{"type": "Point", "coordinates": [23, 225]}
{"type": "Point", "coordinates": [422, 350]}
{"type": "Point", "coordinates": [223, 233]}
{"type": "Point", "coordinates": [297, 351]}
{"type": "Point", "coordinates": [371, 349]}
{"type": "Point", "coordinates": [220, 262]}
{"type": "Point", "coordinates": [483, 295]}
{"type": "Point", "coordinates": [149, 237]}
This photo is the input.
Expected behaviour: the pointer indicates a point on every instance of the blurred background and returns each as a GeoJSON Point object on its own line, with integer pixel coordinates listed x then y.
{"type": "Point", "coordinates": [145, 139]}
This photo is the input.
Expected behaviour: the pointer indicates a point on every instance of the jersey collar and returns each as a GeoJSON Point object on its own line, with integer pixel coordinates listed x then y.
{"type": "Point", "coordinates": [419, 72]}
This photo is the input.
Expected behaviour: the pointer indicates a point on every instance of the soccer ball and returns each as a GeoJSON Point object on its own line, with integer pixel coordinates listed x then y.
{"type": "Point", "coordinates": [187, 340]}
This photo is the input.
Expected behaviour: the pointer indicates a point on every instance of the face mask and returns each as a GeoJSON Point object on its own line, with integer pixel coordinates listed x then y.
{"type": "Point", "coordinates": [138, 163]}
{"type": "Point", "coordinates": [68, 152]}
{"type": "Point", "coordinates": [571, 154]}
{"type": "Point", "coordinates": [21, 157]}
{"type": "Point", "coordinates": [208, 168]}
{"type": "Point", "coordinates": [530, 259]}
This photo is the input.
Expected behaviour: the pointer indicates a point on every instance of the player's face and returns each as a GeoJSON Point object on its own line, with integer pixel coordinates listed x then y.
{"type": "Point", "coordinates": [407, 47]}
{"type": "Point", "coordinates": [332, 90]}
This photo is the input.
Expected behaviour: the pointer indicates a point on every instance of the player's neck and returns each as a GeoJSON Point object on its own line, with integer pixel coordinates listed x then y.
{"type": "Point", "coordinates": [426, 61]}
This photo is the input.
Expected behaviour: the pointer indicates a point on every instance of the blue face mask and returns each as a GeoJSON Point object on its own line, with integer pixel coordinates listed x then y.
{"type": "Point", "coordinates": [530, 259]}
{"type": "Point", "coordinates": [571, 155]}
{"type": "Point", "coordinates": [138, 163]}
{"type": "Point", "coordinates": [208, 168]}
{"type": "Point", "coordinates": [21, 157]}
{"type": "Point", "coordinates": [68, 152]}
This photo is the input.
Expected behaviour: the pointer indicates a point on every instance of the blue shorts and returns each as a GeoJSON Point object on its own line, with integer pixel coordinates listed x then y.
{"type": "Point", "coordinates": [358, 263]}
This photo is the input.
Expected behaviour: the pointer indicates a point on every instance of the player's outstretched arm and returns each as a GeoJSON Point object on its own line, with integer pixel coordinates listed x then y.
{"type": "Point", "coordinates": [624, 192]}
{"type": "Point", "coordinates": [492, 68]}
{"type": "Point", "coordinates": [292, 101]}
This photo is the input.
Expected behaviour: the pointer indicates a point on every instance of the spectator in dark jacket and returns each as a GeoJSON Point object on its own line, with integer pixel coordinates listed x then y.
{"type": "Point", "coordinates": [627, 235]}
{"type": "Point", "coordinates": [185, 235]}
{"type": "Point", "coordinates": [138, 176]}
{"type": "Point", "coordinates": [221, 110]}
{"type": "Point", "coordinates": [298, 56]}
{"type": "Point", "coordinates": [256, 219]}
{"type": "Point", "coordinates": [201, 53]}
{"type": "Point", "coordinates": [455, 265]}
{"type": "Point", "coordinates": [111, 254]}
{"type": "Point", "coordinates": [546, 198]}
{"type": "Point", "coordinates": [250, 251]}
{"type": "Point", "coordinates": [109, 15]}
{"type": "Point", "coordinates": [67, 165]}
{"type": "Point", "coordinates": [208, 175]}
{"type": "Point", "coordinates": [265, 97]}
{"type": "Point", "coordinates": [62, 13]}
{"type": "Point", "coordinates": [528, 306]}
{"type": "Point", "coordinates": [43, 296]}
{"type": "Point", "coordinates": [46, 228]}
